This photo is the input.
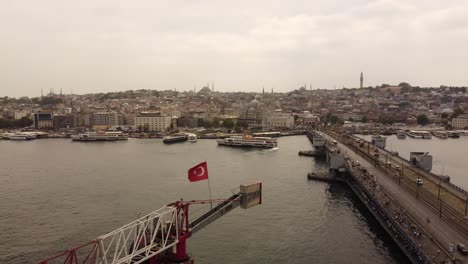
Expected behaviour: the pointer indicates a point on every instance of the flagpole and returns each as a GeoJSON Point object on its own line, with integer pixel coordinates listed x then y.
{"type": "Point", "coordinates": [209, 190]}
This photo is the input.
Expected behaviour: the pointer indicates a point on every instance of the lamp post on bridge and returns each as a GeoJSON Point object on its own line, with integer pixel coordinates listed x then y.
{"type": "Point", "coordinates": [418, 182]}
{"type": "Point", "coordinates": [438, 194]}
{"type": "Point", "coordinates": [466, 206]}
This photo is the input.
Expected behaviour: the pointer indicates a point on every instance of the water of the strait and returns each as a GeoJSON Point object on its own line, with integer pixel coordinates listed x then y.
{"type": "Point", "coordinates": [56, 194]}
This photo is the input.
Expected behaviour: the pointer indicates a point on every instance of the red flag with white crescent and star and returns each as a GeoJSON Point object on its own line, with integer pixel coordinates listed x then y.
{"type": "Point", "coordinates": [198, 173]}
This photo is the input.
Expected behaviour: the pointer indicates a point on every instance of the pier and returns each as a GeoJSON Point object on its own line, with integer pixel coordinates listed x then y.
{"type": "Point", "coordinates": [425, 217]}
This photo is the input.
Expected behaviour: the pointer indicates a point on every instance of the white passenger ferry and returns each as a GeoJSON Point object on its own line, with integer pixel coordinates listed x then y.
{"type": "Point", "coordinates": [94, 136]}
{"type": "Point", "coordinates": [20, 136]}
{"type": "Point", "coordinates": [249, 141]}
{"type": "Point", "coordinates": [419, 134]}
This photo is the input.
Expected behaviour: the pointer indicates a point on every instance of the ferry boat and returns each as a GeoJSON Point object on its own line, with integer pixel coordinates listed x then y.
{"type": "Point", "coordinates": [120, 135]}
{"type": "Point", "coordinates": [249, 141]}
{"type": "Point", "coordinates": [401, 134]}
{"type": "Point", "coordinates": [419, 134]}
{"type": "Point", "coordinates": [440, 134]}
{"type": "Point", "coordinates": [94, 136]}
{"type": "Point", "coordinates": [379, 141]}
{"type": "Point", "coordinates": [175, 138]}
{"type": "Point", "coordinates": [318, 140]}
{"type": "Point", "coordinates": [20, 136]}
{"type": "Point", "coordinates": [192, 138]}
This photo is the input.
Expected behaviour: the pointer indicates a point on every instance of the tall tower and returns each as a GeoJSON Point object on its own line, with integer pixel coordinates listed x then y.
{"type": "Point", "coordinates": [362, 80]}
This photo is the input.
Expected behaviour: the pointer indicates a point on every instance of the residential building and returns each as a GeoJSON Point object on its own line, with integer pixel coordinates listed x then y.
{"type": "Point", "coordinates": [63, 121]}
{"type": "Point", "coordinates": [153, 120]}
{"type": "Point", "coordinates": [105, 119]}
{"type": "Point", "coordinates": [460, 122]}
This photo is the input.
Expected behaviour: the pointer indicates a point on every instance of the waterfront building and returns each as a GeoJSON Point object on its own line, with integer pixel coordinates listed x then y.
{"type": "Point", "coordinates": [460, 122]}
{"type": "Point", "coordinates": [277, 119]}
{"type": "Point", "coordinates": [105, 119]}
{"type": "Point", "coordinates": [63, 121]}
{"type": "Point", "coordinates": [188, 122]}
{"type": "Point", "coordinates": [43, 120]}
{"type": "Point", "coordinates": [155, 121]}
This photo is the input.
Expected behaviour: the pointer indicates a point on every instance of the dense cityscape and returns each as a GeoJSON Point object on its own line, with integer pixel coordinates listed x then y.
{"type": "Point", "coordinates": [166, 111]}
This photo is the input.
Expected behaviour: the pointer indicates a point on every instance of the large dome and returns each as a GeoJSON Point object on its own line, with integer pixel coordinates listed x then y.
{"type": "Point", "coordinates": [254, 103]}
{"type": "Point", "coordinates": [447, 111]}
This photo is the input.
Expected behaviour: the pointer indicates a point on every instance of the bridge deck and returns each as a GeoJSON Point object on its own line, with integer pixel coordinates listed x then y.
{"type": "Point", "coordinates": [447, 225]}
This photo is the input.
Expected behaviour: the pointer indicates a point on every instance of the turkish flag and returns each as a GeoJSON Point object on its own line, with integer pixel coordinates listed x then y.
{"type": "Point", "coordinates": [198, 173]}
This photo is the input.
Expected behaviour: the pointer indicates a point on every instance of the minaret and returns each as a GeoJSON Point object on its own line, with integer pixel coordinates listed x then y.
{"type": "Point", "coordinates": [263, 90]}
{"type": "Point", "coordinates": [42, 93]}
{"type": "Point", "coordinates": [362, 80]}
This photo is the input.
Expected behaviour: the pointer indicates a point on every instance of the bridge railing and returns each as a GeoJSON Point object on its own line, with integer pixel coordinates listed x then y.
{"type": "Point", "coordinates": [392, 225]}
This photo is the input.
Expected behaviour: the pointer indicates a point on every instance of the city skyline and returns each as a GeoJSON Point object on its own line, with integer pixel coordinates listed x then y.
{"type": "Point", "coordinates": [116, 46]}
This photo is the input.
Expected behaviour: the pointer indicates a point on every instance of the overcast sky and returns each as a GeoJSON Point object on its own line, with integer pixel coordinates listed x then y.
{"type": "Point", "coordinates": [112, 45]}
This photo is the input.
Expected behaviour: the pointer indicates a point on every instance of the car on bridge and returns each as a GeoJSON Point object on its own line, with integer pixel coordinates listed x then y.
{"type": "Point", "coordinates": [419, 181]}
{"type": "Point", "coordinates": [462, 249]}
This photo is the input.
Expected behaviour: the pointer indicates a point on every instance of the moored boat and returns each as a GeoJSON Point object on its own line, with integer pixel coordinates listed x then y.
{"type": "Point", "coordinates": [20, 136]}
{"type": "Point", "coordinates": [453, 134]}
{"type": "Point", "coordinates": [94, 136]}
{"type": "Point", "coordinates": [175, 138]}
{"type": "Point", "coordinates": [192, 138]}
{"type": "Point", "coordinates": [401, 134]}
{"type": "Point", "coordinates": [440, 134]}
{"type": "Point", "coordinates": [419, 134]}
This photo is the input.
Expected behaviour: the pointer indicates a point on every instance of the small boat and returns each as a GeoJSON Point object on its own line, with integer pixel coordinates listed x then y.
{"type": "Point", "coordinates": [175, 138]}
{"type": "Point", "coordinates": [453, 134]}
{"type": "Point", "coordinates": [440, 134]}
{"type": "Point", "coordinates": [401, 134]}
{"type": "Point", "coordinates": [192, 138]}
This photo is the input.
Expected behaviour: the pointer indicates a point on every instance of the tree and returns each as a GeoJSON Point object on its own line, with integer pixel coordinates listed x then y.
{"type": "Point", "coordinates": [422, 120]}
{"type": "Point", "coordinates": [444, 115]}
{"type": "Point", "coordinates": [228, 123]}
{"type": "Point", "coordinates": [364, 119]}
{"type": "Point", "coordinates": [207, 124]}
{"type": "Point", "coordinates": [24, 122]}
{"type": "Point", "coordinates": [334, 119]}
{"type": "Point", "coordinates": [146, 127]}
{"type": "Point", "coordinates": [242, 124]}
{"type": "Point", "coordinates": [140, 128]}
{"type": "Point", "coordinates": [404, 85]}
{"type": "Point", "coordinates": [215, 122]}
{"type": "Point", "coordinates": [49, 100]}
{"type": "Point", "coordinates": [456, 113]}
